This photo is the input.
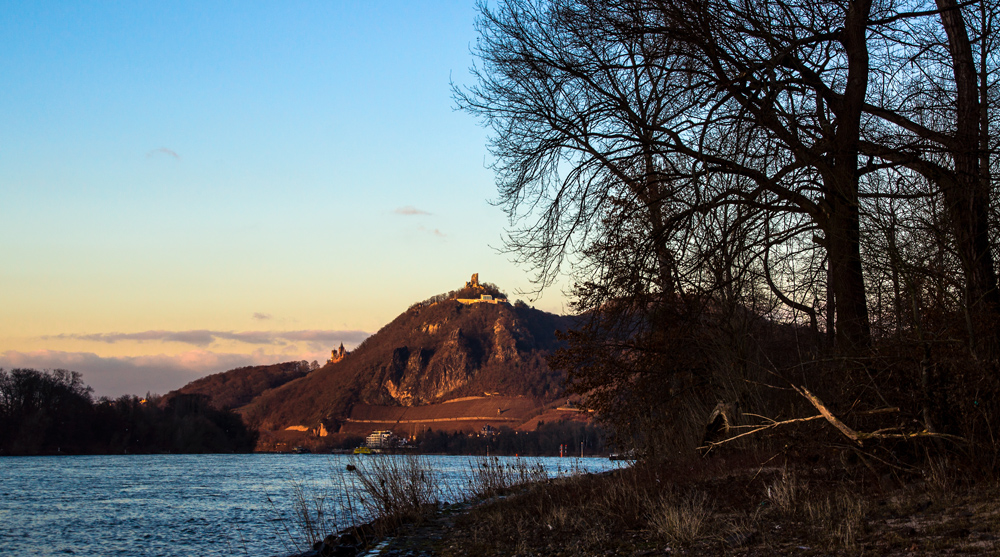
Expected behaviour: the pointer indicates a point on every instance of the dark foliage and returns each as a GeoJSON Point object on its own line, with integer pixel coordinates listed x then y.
{"type": "Point", "coordinates": [543, 441]}
{"type": "Point", "coordinates": [43, 412]}
{"type": "Point", "coordinates": [54, 413]}
{"type": "Point", "coordinates": [237, 387]}
{"type": "Point", "coordinates": [784, 207]}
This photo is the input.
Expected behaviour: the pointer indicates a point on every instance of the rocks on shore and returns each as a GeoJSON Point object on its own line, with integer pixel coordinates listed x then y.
{"type": "Point", "coordinates": [346, 543]}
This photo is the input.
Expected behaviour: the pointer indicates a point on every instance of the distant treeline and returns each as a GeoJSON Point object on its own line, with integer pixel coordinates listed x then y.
{"type": "Point", "coordinates": [544, 441]}
{"type": "Point", "coordinates": [53, 412]}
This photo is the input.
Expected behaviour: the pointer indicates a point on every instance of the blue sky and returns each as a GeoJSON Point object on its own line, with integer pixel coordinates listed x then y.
{"type": "Point", "coordinates": [187, 187]}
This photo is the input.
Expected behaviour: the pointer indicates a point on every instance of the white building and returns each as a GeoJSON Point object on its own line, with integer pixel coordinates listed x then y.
{"type": "Point", "coordinates": [379, 439]}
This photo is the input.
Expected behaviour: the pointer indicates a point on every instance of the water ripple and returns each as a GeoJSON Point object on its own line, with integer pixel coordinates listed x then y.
{"type": "Point", "coordinates": [172, 505]}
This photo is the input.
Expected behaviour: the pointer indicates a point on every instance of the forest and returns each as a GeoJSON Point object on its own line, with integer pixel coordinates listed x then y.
{"type": "Point", "coordinates": [545, 440]}
{"type": "Point", "coordinates": [54, 412]}
{"type": "Point", "coordinates": [782, 211]}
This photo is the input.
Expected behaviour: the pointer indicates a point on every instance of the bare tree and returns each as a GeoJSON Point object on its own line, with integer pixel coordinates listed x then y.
{"type": "Point", "coordinates": [801, 160]}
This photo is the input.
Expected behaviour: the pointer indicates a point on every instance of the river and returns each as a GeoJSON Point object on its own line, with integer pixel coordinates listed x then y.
{"type": "Point", "coordinates": [166, 505]}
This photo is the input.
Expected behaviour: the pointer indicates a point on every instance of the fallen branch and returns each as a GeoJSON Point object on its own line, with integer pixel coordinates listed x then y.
{"type": "Point", "coordinates": [762, 427]}
{"type": "Point", "coordinates": [815, 401]}
{"type": "Point", "coordinates": [856, 437]}
{"type": "Point", "coordinates": [917, 434]}
{"type": "Point", "coordinates": [759, 429]}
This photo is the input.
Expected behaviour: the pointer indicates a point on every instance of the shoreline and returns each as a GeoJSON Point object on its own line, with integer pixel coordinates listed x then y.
{"type": "Point", "coordinates": [751, 511]}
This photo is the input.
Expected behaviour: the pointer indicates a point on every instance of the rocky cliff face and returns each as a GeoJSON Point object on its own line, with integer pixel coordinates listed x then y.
{"type": "Point", "coordinates": [428, 354]}
{"type": "Point", "coordinates": [451, 343]}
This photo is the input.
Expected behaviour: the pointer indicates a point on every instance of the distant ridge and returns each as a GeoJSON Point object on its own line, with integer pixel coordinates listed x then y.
{"type": "Point", "coordinates": [237, 387]}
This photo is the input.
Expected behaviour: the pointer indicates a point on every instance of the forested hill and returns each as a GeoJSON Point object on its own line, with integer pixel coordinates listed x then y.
{"type": "Point", "coordinates": [435, 351]}
{"type": "Point", "coordinates": [237, 387]}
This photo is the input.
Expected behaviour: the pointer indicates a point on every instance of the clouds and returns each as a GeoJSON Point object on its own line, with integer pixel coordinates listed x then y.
{"type": "Point", "coordinates": [115, 376]}
{"type": "Point", "coordinates": [257, 316]}
{"type": "Point", "coordinates": [160, 373]}
{"type": "Point", "coordinates": [433, 232]}
{"type": "Point", "coordinates": [165, 152]}
{"type": "Point", "coordinates": [203, 338]}
{"type": "Point", "coordinates": [410, 211]}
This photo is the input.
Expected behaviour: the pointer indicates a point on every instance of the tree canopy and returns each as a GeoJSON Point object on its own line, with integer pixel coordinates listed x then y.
{"type": "Point", "coordinates": [821, 165]}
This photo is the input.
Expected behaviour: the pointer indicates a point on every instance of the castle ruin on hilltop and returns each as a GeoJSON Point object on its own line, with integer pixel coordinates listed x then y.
{"type": "Point", "coordinates": [483, 298]}
{"type": "Point", "coordinates": [337, 355]}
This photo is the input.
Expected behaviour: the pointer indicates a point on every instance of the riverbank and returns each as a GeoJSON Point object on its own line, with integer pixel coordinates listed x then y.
{"type": "Point", "coordinates": [716, 509]}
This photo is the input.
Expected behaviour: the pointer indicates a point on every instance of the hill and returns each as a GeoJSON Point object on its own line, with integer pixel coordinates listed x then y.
{"type": "Point", "coordinates": [237, 387]}
{"type": "Point", "coordinates": [468, 344]}
{"type": "Point", "coordinates": [454, 362]}
{"type": "Point", "coordinates": [429, 354]}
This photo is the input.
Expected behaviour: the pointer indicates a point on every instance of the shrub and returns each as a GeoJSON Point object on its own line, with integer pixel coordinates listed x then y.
{"type": "Point", "coordinates": [489, 476]}
{"type": "Point", "coordinates": [395, 488]}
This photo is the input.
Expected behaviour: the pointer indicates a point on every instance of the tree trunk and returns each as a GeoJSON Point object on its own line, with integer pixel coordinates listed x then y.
{"type": "Point", "coordinates": [965, 196]}
{"type": "Point", "coordinates": [844, 252]}
{"type": "Point", "coordinates": [652, 196]}
{"type": "Point", "coordinates": [843, 223]}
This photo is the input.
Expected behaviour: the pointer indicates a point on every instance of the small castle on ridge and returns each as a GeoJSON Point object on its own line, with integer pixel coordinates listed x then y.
{"type": "Point", "coordinates": [337, 355]}
{"type": "Point", "coordinates": [483, 298]}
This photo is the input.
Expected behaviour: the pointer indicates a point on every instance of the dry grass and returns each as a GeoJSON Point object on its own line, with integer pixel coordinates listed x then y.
{"type": "Point", "coordinates": [783, 492]}
{"type": "Point", "coordinates": [383, 492]}
{"type": "Point", "coordinates": [489, 476]}
{"type": "Point", "coordinates": [311, 514]}
{"type": "Point", "coordinates": [939, 474]}
{"type": "Point", "coordinates": [753, 512]}
{"type": "Point", "coordinates": [578, 514]}
{"type": "Point", "coordinates": [698, 509]}
{"type": "Point", "coordinates": [395, 489]}
{"type": "Point", "coordinates": [833, 519]}
{"type": "Point", "coordinates": [839, 517]}
{"type": "Point", "coordinates": [681, 520]}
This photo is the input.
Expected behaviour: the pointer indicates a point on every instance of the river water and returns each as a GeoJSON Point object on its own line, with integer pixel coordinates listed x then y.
{"type": "Point", "coordinates": [168, 505]}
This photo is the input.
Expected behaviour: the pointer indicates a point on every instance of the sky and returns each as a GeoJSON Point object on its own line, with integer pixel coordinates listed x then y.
{"type": "Point", "coordinates": [189, 187]}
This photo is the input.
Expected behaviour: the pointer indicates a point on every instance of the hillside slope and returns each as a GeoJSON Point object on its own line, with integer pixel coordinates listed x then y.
{"type": "Point", "coordinates": [429, 354]}
{"type": "Point", "coordinates": [237, 387]}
